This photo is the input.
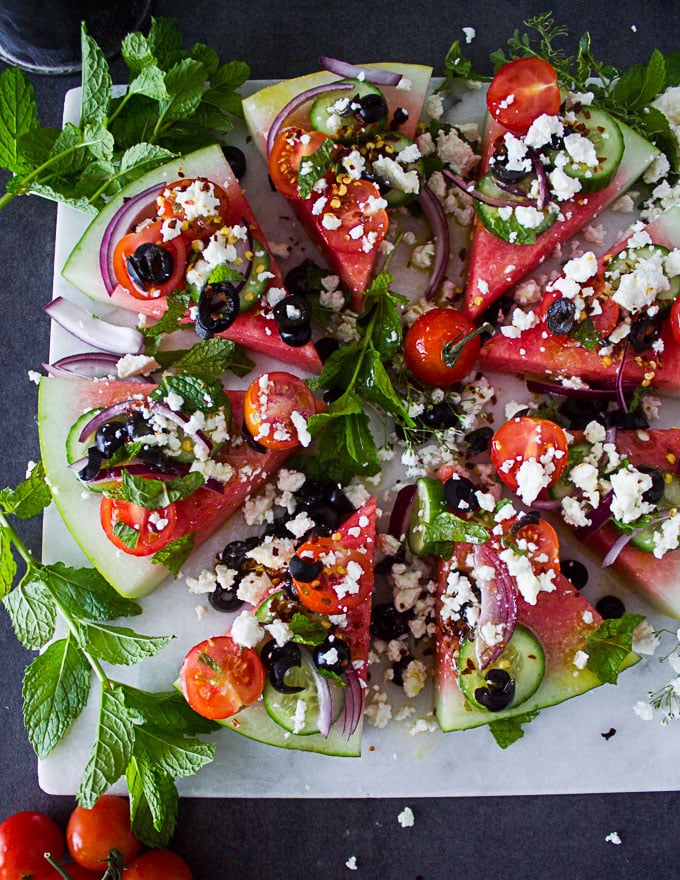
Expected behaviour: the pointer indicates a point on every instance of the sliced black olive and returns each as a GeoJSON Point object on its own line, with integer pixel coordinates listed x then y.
{"type": "Point", "coordinates": [109, 437]}
{"type": "Point", "coordinates": [439, 415]}
{"type": "Point", "coordinates": [387, 622]}
{"type": "Point", "coordinates": [252, 442]}
{"type": "Point", "coordinates": [370, 108]}
{"type": "Point", "coordinates": [610, 607]}
{"type": "Point", "coordinates": [581, 410]}
{"type": "Point", "coordinates": [460, 494]}
{"type": "Point", "coordinates": [326, 346]}
{"type": "Point", "coordinates": [575, 571]}
{"type": "Point", "coordinates": [94, 462]}
{"type": "Point", "coordinates": [478, 440]}
{"type": "Point", "coordinates": [236, 159]}
{"type": "Point", "coordinates": [333, 655]}
{"type": "Point", "coordinates": [499, 691]}
{"type": "Point", "coordinates": [399, 667]}
{"type": "Point", "coordinates": [278, 659]}
{"type": "Point", "coordinates": [313, 492]}
{"type": "Point", "coordinates": [635, 420]}
{"type": "Point", "coordinates": [218, 308]}
{"type": "Point", "coordinates": [532, 518]}
{"type": "Point", "coordinates": [236, 552]}
{"type": "Point", "coordinates": [644, 331]}
{"type": "Point", "coordinates": [332, 394]}
{"type": "Point", "coordinates": [560, 316]}
{"type": "Point", "coordinates": [292, 312]}
{"type": "Point", "coordinates": [499, 165]}
{"type": "Point", "coordinates": [298, 337]}
{"type": "Point", "coordinates": [298, 278]}
{"type": "Point", "coordinates": [225, 598]}
{"type": "Point", "coordinates": [340, 502]}
{"type": "Point", "coordinates": [655, 492]}
{"type": "Point", "coordinates": [304, 570]}
{"type": "Point", "coordinates": [399, 117]}
{"type": "Point", "coordinates": [150, 264]}
{"type": "Point", "coordinates": [137, 427]}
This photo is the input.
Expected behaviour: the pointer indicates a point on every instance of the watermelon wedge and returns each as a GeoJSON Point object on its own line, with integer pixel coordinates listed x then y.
{"type": "Point", "coordinates": [538, 353]}
{"type": "Point", "coordinates": [255, 329]}
{"type": "Point", "coordinates": [495, 265]}
{"type": "Point", "coordinates": [357, 532]}
{"type": "Point", "coordinates": [354, 263]}
{"type": "Point", "coordinates": [61, 402]}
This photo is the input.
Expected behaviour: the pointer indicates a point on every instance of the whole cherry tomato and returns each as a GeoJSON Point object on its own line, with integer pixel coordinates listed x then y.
{"type": "Point", "coordinates": [437, 349]}
{"type": "Point", "coordinates": [521, 91]}
{"type": "Point", "coordinates": [77, 872]}
{"type": "Point", "coordinates": [158, 864]}
{"type": "Point", "coordinates": [24, 839]}
{"type": "Point", "coordinates": [92, 834]}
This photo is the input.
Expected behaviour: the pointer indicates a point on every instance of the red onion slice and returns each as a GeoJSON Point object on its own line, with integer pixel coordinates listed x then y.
{"type": "Point", "coordinates": [324, 690]}
{"type": "Point", "coordinates": [434, 214]}
{"type": "Point", "coordinates": [94, 331]}
{"type": "Point", "coordinates": [354, 703]}
{"type": "Point", "coordinates": [499, 604]}
{"type": "Point", "coordinates": [401, 511]}
{"type": "Point", "coordinates": [120, 224]}
{"type": "Point", "coordinates": [542, 178]}
{"type": "Point", "coordinates": [298, 101]}
{"type": "Point", "coordinates": [376, 75]}
{"type": "Point", "coordinates": [493, 201]}
{"type": "Point", "coordinates": [598, 517]}
{"type": "Point", "coordinates": [89, 365]}
{"type": "Point", "coordinates": [620, 396]}
{"type": "Point", "coordinates": [539, 386]}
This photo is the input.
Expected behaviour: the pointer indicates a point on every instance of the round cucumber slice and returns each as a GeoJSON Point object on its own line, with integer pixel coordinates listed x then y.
{"type": "Point", "coordinates": [75, 450]}
{"type": "Point", "coordinates": [629, 259]}
{"type": "Point", "coordinates": [332, 112]}
{"type": "Point", "coordinates": [607, 139]}
{"type": "Point", "coordinates": [258, 279]}
{"type": "Point", "coordinates": [506, 222]}
{"type": "Point", "coordinates": [299, 712]}
{"type": "Point", "coordinates": [429, 502]}
{"type": "Point", "coordinates": [523, 659]}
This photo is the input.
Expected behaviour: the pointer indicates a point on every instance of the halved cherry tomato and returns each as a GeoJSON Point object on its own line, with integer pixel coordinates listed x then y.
{"type": "Point", "coordinates": [426, 340]}
{"type": "Point", "coordinates": [539, 541]}
{"type": "Point", "coordinates": [290, 147]}
{"type": "Point", "coordinates": [674, 320]}
{"type": "Point", "coordinates": [197, 218]}
{"type": "Point", "coordinates": [521, 91]}
{"type": "Point", "coordinates": [137, 530]}
{"type": "Point", "coordinates": [162, 270]}
{"type": "Point", "coordinates": [158, 864]}
{"type": "Point", "coordinates": [276, 408]}
{"type": "Point", "coordinates": [24, 839]}
{"type": "Point", "coordinates": [524, 439]}
{"type": "Point", "coordinates": [220, 677]}
{"type": "Point", "coordinates": [91, 834]}
{"type": "Point", "coordinates": [353, 217]}
{"type": "Point", "coordinates": [342, 582]}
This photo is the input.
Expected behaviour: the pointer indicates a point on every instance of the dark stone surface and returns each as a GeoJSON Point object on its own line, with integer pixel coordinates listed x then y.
{"type": "Point", "coordinates": [525, 837]}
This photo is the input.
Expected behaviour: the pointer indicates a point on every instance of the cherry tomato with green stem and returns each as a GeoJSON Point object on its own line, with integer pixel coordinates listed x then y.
{"type": "Point", "coordinates": [442, 346]}
{"type": "Point", "coordinates": [92, 834]}
{"type": "Point", "coordinates": [24, 839]}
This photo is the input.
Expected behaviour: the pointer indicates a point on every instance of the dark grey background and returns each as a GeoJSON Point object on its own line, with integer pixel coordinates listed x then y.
{"type": "Point", "coordinates": [487, 838]}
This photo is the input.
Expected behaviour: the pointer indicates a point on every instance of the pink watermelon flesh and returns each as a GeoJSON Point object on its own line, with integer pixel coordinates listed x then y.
{"type": "Point", "coordinates": [537, 352]}
{"type": "Point", "coordinates": [496, 265]}
{"type": "Point", "coordinates": [561, 621]}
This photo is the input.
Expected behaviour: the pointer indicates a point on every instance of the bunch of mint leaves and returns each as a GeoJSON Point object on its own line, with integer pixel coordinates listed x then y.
{"type": "Point", "coordinates": [175, 101]}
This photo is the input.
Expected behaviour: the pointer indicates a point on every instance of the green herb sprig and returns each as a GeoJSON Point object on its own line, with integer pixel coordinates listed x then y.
{"type": "Point", "coordinates": [150, 739]}
{"type": "Point", "coordinates": [175, 101]}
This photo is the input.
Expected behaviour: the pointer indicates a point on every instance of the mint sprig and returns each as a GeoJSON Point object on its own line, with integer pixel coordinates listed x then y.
{"type": "Point", "coordinates": [610, 644]}
{"type": "Point", "coordinates": [149, 738]}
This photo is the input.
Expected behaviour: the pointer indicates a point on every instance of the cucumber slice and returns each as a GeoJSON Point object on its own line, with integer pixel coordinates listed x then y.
{"type": "Point", "coordinates": [671, 491]}
{"type": "Point", "coordinates": [503, 222]}
{"type": "Point", "coordinates": [299, 712]}
{"type": "Point", "coordinates": [627, 260]}
{"type": "Point", "coordinates": [523, 659]}
{"type": "Point", "coordinates": [258, 279]}
{"type": "Point", "coordinates": [429, 502]}
{"type": "Point", "coordinates": [75, 450]}
{"type": "Point", "coordinates": [331, 112]}
{"type": "Point", "coordinates": [564, 487]}
{"type": "Point", "coordinates": [606, 136]}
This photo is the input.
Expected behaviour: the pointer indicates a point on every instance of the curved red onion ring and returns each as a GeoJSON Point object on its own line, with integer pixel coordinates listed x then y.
{"type": "Point", "coordinates": [119, 225]}
{"type": "Point", "coordinates": [89, 365]}
{"type": "Point", "coordinates": [401, 511]}
{"type": "Point", "coordinates": [354, 703]}
{"type": "Point", "coordinates": [620, 396]}
{"type": "Point", "coordinates": [100, 334]}
{"type": "Point", "coordinates": [546, 504]}
{"type": "Point", "coordinates": [542, 178]}
{"type": "Point", "coordinates": [434, 214]}
{"type": "Point", "coordinates": [493, 201]}
{"type": "Point", "coordinates": [499, 604]}
{"type": "Point", "coordinates": [298, 101]}
{"type": "Point", "coordinates": [539, 386]}
{"type": "Point", "coordinates": [376, 75]}
{"type": "Point", "coordinates": [324, 691]}
{"type": "Point", "coordinates": [598, 517]}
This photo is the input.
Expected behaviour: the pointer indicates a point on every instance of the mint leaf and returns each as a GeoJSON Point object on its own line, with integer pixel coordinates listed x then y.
{"type": "Point", "coordinates": [176, 755]}
{"type": "Point", "coordinates": [156, 494]}
{"type": "Point", "coordinates": [185, 82]}
{"type": "Point", "coordinates": [307, 631]}
{"type": "Point", "coordinates": [96, 82]}
{"type": "Point", "coordinates": [121, 645]}
{"type": "Point", "coordinates": [150, 81]}
{"type": "Point", "coordinates": [140, 158]}
{"type": "Point", "coordinates": [639, 85]}
{"type": "Point", "coordinates": [447, 529]}
{"type": "Point", "coordinates": [610, 645]}
{"type": "Point", "coordinates": [126, 534]}
{"type": "Point", "coordinates": [165, 41]}
{"type": "Point", "coordinates": [154, 802]}
{"type": "Point", "coordinates": [18, 117]}
{"type": "Point", "coordinates": [178, 302]}
{"type": "Point", "coordinates": [112, 749]}
{"type": "Point", "coordinates": [29, 498]}
{"type": "Point", "coordinates": [86, 594]}
{"type": "Point", "coordinates": [197, 392]}
{"type": "Point", "coordinates": [8, 566]}
{"type": "Point", "coordinates": [55, 691]}
{"type": "Point", "coordinates": [314, 167]}
{"type": "Point", "coordinates": [508, 730]}
{"type": "Point", "coordinates": [175, 553]}
{"type": "Point", "coordinates": [137, 53]}
{"type": "Point", "coordinates": [374, 384]}
{"type": "Point", "coordinates": [207, 359]}
{"type": "Point", "coordinates": [32, 611]}
{"type": "Point", "coordinates": [167, 710]}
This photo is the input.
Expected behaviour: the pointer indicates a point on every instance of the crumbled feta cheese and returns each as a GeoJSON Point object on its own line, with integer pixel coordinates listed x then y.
{"type": "Point", "coordinates": [246, 630]}
{"type": "Point", "coordinates": [406, 818]}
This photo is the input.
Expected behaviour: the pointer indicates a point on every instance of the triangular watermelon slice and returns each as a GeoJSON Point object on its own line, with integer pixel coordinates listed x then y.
{"type": "Point", "coordinates": [495, 265]}
{"type": "Point", "coordinates": [536, 352]}
{"type": "Point", "coordinates": [357, 532]}
{"type": "Point", "coordinates": [354, 263]}
{"type": "Point", "coordinates": [255, 329]}
{"type": "Point", "coordinates": [61, 402]}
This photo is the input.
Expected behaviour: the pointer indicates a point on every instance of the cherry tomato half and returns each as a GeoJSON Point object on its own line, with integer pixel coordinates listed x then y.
{"type": "Point", "coordinates": [426, 339]}
{"type": "Point", "coordinates": [353, 216]}
{"type": "Point", "coordinates": [674, 320]}
{"type": "Point", "coordinates": [527, 439]}
{"type": "Point", "coordinates": [276, 408]}
{"type": "Point", "coordinates": [158, 864]}
{"type": "Point", "coordinates": [200, 206]}
{"type": "Point", "coordinates": [24, 839]}
{"type": "Point", "coordinates": [147, 266]}
{"type": "Point", "coordinates": [137, 530]}
{"type": "Point", "coordinates": [539, 541]}
{"type": "Point", "coordinates": [92, 834]}
{"type": "Point", "coordinates": [220, 677]}
{"type": "Point", "coordinates": [290, 147]}
{"type": "Point", "coordinates": [521, 91]}
{"type": "Point", "coordinates": [342, 580]}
